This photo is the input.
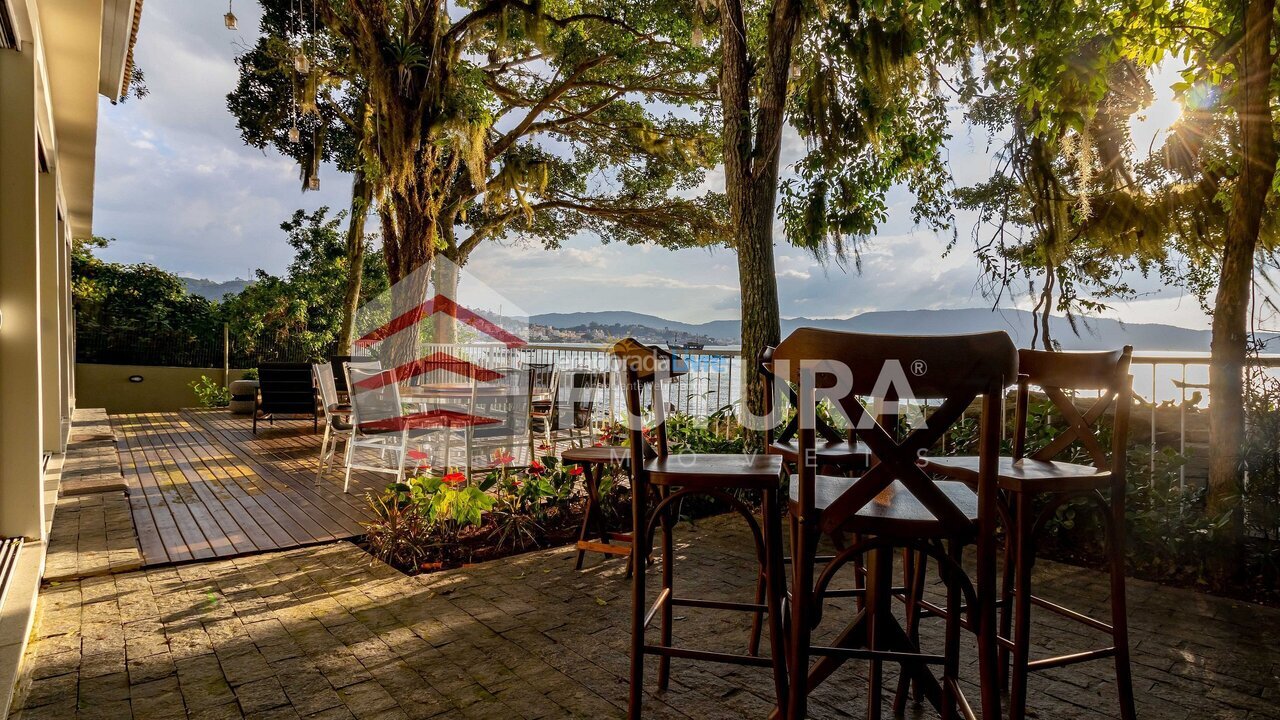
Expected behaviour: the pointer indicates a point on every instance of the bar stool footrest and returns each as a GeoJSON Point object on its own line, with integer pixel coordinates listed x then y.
{"type": "Point", "coordinates": [708, 656]}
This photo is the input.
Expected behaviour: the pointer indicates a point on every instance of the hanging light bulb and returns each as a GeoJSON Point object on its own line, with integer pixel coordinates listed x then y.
{"type": "Point", "coordinates": [294, 134]}
{"type": "Point", "coordinates": [300, 61]}
{"type": "Point", "coordinates": [230, 18]}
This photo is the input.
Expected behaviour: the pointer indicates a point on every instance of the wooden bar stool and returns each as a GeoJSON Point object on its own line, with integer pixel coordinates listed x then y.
{"type": "Point", "coordinates": [674, 477]}
{"type": "Point", "coordinates": [834, 452]}
{"type": "Point", "coordinates": [894, 505]}
{"type": "Point", "coordinates": [594, 461]}
{"type": "Point", "coordinates": [1035, 485]}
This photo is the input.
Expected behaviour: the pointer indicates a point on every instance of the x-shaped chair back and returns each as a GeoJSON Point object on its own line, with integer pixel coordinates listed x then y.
{"type": "Point", "coordinates": [848, 367]}
{"type": "Point", "coordinates": [646, 366]}
{"type": "Point", "coordinates": [773, 387]}
{"type": "Point", "coordinates": [1058, 373]}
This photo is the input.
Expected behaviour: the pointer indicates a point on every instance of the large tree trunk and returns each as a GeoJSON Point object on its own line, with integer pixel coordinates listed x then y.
{"type": "Point", "coordinates": [751, 211]}
{"type": "Point", "coordinates": [1230, 308]}
{"type": "Point", "coordinates": [751, 176]}
{"type": "Point", "coordinates": [408, 242]}
{"type": "Point", "coordinates": [361, 196]}
{"type": "Point", "coordinates": [444, 280]}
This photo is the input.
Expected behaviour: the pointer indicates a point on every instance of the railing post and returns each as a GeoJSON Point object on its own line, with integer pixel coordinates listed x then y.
{"type": "Point", "coordinates": [1154, 404]}
{"type": "Point", "coordinates": [226, 355]}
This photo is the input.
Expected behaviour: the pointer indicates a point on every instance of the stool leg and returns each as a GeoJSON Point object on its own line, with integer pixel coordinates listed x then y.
{"type": "Point", "coordinates": [587, 513]}
{"type": "Point", "coordinates": [951, 651]}
{"type": "Point", "coordinates": [915, 567]}
{"type": "Point", "coordinates": [639, 552]}
{"type": "Point", "coordinates": [775, 588]}
{"type": "Point", "coordinates": [1006, 599]}
{"type": "Point", "coordinates": [668, 582]}
{"type": "Point", "coordinates": [757, 618]}
{"type": "Point", "coordinates": [879, 591]}
{"type": "Point", "coordinates": [1119, 608]}
{"type": "Point", "coordinates": [803, 538]}
{"type": "Point", "coordinates": [1024, 557]}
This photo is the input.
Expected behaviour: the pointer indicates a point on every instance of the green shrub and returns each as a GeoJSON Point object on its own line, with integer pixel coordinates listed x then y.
{"type": "Point", "coordinates": [209, 393]}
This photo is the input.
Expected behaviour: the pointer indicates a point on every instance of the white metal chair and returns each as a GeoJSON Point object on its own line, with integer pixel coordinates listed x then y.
{"type": "Point", "coordinates": [337, 418]}
{"type": "Point", "coordinates": [542, 379]}
{"type": "Point", "coordinates": [378, 421]}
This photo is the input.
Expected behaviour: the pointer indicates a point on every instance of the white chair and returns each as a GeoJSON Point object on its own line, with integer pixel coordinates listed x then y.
{"type": "Point", "coordinates": [504, 405]}
{"type": "Point", "coordinates": [542, 381]}
{"type": "Point", "coordinates": [337, 418]}
{"type": "Point", "coordinates": [378, 421]}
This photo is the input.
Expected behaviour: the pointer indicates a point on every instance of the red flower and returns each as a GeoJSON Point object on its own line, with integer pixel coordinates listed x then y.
{"type": "Point", "coordinates": [456, 478]}
{"type": "Point", "coordinates": [577, 470]}
{"type": "Point", "coordinates": [536, 468]}
{"type": "Point", "coordinates": [503, 458]}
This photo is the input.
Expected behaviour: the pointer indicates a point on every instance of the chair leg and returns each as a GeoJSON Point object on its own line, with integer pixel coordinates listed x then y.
{"type": "Point", "coordinates": [639, 552]}
{"type": "Point", "coordinates": [879, 594]}
{"type": "Point", "coordinates": [1119, 607]}
{"type": "Point", "coordinates": [951, 651]}
{"type": "Point", "coordinates": [1006, 601]}
{"type": "Point", "coordinates": [668, 587]}
{"type": "Point", "coordinates": [587, 512]}
{"type": "Point", "coordinates": [349, 458]}
{"type": "Point", "coordinates": [776, 590]}
{"type": "Point", "coordinates": [324, 449]}
{"type": "Point", "coordinates": [915, 567]}
{"type": "Point", "coordinates": [757, 619]}
{"type": "Point", "coordinates": [1024, 557]}
{"type": "Point", "coordinates": [803, 539]}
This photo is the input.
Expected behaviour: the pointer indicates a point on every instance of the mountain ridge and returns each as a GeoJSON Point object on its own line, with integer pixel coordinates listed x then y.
{"type": "Point", "coordinates": [1096, 333]}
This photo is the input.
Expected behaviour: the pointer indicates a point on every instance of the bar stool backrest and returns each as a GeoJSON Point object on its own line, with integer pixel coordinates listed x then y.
{"type": "Point", "coordinates": [850, 367]}
{"type": "Point", "coordinates": [646, 366]}
{"type": "Point", "coordinates": [1057, 374]}
{"type": "Point", "coordinates": [775, 388]}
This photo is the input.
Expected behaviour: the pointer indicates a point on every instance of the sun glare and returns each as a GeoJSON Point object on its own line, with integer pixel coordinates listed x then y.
{"type": "Point", "coordinates": [1150, 126]}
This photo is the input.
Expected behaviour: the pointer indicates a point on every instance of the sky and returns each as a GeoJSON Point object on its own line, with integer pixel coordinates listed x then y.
{"type": "Point", "coordinates": [176, 187]}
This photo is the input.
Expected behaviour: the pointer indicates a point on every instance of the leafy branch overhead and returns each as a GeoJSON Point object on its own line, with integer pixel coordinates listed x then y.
{"type": "Point", "coordinates": [502, 118]}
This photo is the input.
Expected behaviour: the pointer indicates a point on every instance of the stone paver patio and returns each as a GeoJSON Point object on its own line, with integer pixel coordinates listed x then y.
{"type": "Point", "coordinates": [322, 632]}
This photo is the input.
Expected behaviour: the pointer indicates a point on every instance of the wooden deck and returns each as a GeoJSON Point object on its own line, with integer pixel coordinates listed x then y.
{"type": "Point", "coordinates": [206, 487]}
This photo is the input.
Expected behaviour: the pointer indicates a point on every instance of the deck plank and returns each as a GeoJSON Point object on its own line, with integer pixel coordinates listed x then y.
{"type": "Point", "coordinates": [206, 487]}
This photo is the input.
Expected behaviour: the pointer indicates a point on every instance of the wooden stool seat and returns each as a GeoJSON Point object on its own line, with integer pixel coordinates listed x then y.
{"type": "Point", "coordinates": [607, 454]}
{"type": "Point", "coordinates": [895, 511]}
{"type": "Point", "coordinates": [829, 452]}
{"type": "Point", "coordinates": [751, 472]}
{"type": "Point", "coordinates": [1026, 474]}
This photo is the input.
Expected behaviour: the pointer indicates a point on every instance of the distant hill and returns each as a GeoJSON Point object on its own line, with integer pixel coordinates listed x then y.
{"type": "Point", "coordinates": [213, 290]}
{"type": "Point", "coordinates": [1095, 333]}
{"type": "Point", "coordinates": [597, 333]}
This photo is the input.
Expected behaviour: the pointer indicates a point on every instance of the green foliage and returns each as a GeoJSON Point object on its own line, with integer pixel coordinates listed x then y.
{"type": "Point", "coordinates": [127, 307]}
{"type": "Point", "coordinates": [1169, 534]}
{"type": "Point", "coordinates": [302, 310]}
{"type": "Point", "coordinates": [210, 393]}
{"type": "Point", "coordinates": [540, 120]}
{"type": "Point", "coordinates": [423, 517]}
{"type": "Point", "coordinates": [120, 306]}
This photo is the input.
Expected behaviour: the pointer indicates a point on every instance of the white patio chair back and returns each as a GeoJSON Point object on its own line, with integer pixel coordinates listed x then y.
{"type": "Point", "coordinates": [336, 425]}
{"type": "Point", "coordinates": [374, 396]}
{"type": "Point", "coordinates": [375, 407]}
{"type": "Point", "coordinates": [328, 388]}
